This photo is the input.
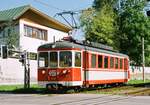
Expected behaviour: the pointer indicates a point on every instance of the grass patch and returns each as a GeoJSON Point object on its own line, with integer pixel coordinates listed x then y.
{"type": "Point", "coordinates": [133, 82]}
{"type": "Point", "coordinates": [34, 88]}
{"type": "Point", "coordinates": [5, 88]}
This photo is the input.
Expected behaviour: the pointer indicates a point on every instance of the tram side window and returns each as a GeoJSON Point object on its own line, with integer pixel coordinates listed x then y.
{"type": "Point", "coordinates": [111, 62]}
{"type": "Point", "coordinates": [100, 61]}
{"type": "Point", "coordinates": [125, 64]}
{"type": "Point", "coordinates": [65, 59]}
{"type": "Point", "coordinates": [53, 59]}
{"type": "Point", "coordinates": [0, 52]}
{"type": "Point", "coordinates": [93, 59]}
{"type": "Point", "coordinates": [121, 61]}
{"type": "Point", "coordinates": [77, 59]}
{"type": "Point", "coordinates": [43, 59]}
{"type": "Point", "coordinates": [116, 63]}
{"type": "Point", "coordinates": [105, 62]}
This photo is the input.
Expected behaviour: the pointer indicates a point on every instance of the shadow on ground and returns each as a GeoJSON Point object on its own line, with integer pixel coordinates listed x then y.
{"type": "Point", "coordinates": [140, 85]}
{"type": "Point", "coordinates": [35, 91]}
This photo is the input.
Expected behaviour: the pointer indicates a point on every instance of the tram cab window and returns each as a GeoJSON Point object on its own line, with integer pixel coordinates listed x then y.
{"type": "Point", "coordinates": [93, 59]}
{"type": "Point", "coordinates": [43, 59]}
{"type": "Point", "coordinates": [100, 60]}
{"type": "Point", "coordinates": [53, 59]}
{"type": "Point", "coordinates": [77, 59]}
{"type": "Point", "coordinates": [105, 62]}
{"type": "Point", "coordinates": [65, 59]}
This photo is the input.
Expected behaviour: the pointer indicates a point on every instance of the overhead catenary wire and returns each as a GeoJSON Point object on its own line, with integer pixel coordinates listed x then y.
{"type": "Point", "coordinates": [65, 15]}
{"type": "Point", "coordinates": [48, 5]}
{"type": "Point", "coordinates": [56, 8]}
{"type": "Point", "coordinates": [63, 12]}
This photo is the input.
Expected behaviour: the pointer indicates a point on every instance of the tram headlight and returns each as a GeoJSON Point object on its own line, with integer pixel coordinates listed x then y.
{"type": "Point", "coordinates": [43, 71]}
{"type": "Point", "coordinates": [65, 71]}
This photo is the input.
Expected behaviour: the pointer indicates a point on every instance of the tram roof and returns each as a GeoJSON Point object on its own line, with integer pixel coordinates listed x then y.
{"type": "Point", "coordinates": [68, 44]}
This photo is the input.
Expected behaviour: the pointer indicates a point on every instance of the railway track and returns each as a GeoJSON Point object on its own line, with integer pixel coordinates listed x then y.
{"type": "Point", "coordinates": [144, 91]}
{"type": "Point", "coordinates": [106, 99]}
{"type": "Point", "coordinates": [109, 98]}
{"type": "Point", "coordinates": [120, 90]}
{"type": "Point", "coordinates": [124, 90]}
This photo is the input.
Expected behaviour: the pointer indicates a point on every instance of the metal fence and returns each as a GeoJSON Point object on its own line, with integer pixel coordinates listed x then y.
{"type": "Point", "coordinates": [137, 73]}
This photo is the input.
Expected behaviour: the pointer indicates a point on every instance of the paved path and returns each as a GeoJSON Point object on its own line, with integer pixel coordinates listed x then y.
{"type": "Point", "coordinates": [72, 99]}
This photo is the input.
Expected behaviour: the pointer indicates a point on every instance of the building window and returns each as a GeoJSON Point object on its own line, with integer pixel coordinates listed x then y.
{"type": "Point", "coordinates": [100, 61]}
{"type": "Point", "coordinates": [35, 32]}
{"type": "Point", "coordinates": [28, 31]}
{"type": "Point", "coordinates": [106, 62]}
{"type": "Point", "coordinates": [93, 59]}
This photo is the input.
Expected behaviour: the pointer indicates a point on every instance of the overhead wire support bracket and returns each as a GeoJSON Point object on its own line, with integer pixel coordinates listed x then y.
{"type": "Point", "coordinates": [71, 13]}
{"type": "Point", "coordinates": [65, 20]}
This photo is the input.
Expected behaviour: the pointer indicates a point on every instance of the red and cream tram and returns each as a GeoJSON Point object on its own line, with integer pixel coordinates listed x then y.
{"type": "Point", "coordinates": [70, 64]}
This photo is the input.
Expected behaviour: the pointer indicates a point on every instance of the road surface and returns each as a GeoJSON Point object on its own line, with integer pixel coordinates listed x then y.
{"type": "Point", "coordinates": [72, 99]}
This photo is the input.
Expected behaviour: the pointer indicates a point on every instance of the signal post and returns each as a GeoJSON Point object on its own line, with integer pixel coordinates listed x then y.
{"type": "Point", "coordinates": [24, 58]}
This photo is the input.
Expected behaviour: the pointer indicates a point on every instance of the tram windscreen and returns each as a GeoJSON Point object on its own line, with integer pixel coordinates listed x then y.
{"type": "Point", "coordinates": [65, 59]}
{"type": "Point", "coordinates": [43, 59]}
{"type": "Point", "coordinates": [53, 59]}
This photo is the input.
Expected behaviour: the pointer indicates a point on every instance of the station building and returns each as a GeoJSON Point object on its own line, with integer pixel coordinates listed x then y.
{"type": "Point", "coordinates": [25, 28]}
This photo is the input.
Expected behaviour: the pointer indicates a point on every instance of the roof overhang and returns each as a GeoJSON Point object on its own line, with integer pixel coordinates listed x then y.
{"type": "Point", "coordinates": [45, 19]}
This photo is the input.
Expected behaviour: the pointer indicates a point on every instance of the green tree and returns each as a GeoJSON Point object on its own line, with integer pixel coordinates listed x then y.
{"type": "Point", "coordinates": [99, 22]}
{"type": "Point", "coordinates": [121, 26]}
{"type": "Point", "coordinates": [98, 4]}
{"type": "Point", "coordinates": [133, 25]}
{"type": "Point", "coordinates": [10, 35]}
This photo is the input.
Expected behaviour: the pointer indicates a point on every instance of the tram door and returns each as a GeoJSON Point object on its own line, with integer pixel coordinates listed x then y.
{"type": "Point", "coordinates": [42, 66]}
{"type": "Point", "coordinates": [85, 66]}
{"type": "Point", "coordinates": [53, 66]}
{"type": "Point", "coordinates": [78, 71]}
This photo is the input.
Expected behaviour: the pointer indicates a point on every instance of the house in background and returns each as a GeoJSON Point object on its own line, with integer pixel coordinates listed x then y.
{"type": "Point", "coordinates": [25, 28]}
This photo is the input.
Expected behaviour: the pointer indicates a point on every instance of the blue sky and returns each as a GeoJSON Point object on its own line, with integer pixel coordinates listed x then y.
{"type": "Point", "coordinates": [50, 7]}
{"type": "Point", "coordinates": [51, 10]}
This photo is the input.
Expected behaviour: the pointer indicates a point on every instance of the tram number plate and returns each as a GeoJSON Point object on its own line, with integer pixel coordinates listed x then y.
{"type": "Point", "coordinates": [52, 73]}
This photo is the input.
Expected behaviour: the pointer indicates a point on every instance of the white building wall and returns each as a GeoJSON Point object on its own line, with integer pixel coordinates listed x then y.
{"type": "Point", "coordinates": [31, 44]}
{"type": "Point", "coordinates": [11, 70]}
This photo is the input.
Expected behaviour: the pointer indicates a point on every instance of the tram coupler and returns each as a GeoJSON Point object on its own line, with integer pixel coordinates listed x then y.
{"type": "Point", "coordinates": [53, 86]}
